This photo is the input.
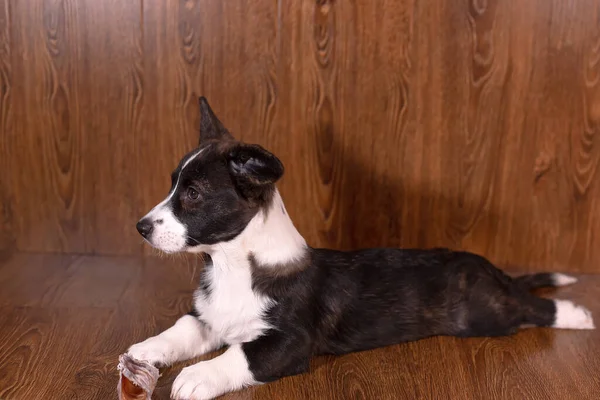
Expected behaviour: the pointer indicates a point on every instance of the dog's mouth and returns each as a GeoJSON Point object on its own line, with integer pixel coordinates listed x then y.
{"type": "Point", "coordinates": [168, 247]}
{"type": "Point", "coordinates": [167, 242]}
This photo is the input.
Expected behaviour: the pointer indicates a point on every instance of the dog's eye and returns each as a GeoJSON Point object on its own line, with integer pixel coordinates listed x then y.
{"type": "Point", "coordinates": [193, 193]}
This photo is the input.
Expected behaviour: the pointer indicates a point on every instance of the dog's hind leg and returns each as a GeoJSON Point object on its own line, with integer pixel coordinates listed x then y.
{"type": "Point", "coordinates": [188, 338]}
{"type": "Point", "coordinates": [557, 314]}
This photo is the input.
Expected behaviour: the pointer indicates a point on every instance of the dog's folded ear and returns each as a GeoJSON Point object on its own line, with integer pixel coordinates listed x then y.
{"type": "Point", "coordinates": [210, 126]}
{"type": "Point", "coordinates": [250, 164]}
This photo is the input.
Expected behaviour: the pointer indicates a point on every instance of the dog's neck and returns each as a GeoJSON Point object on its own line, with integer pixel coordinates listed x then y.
{"type": "Point", "coordinates": [270, 238]}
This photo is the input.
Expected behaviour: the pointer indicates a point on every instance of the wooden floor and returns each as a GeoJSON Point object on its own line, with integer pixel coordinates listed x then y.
{"type": "Point", "coordinates": [65, 319]}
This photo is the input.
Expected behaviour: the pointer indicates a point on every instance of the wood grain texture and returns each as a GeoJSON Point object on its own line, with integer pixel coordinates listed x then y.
{"type": "Point", "coordinates": [7, 237]}
{"type": "Point", "coordinates": [423, 128]}
{"type": "Point", "coordinates": [48, 146]}
{"type": "Point", "coordinates": [76, 104]}
{"type": "Point", "coordinates": [110, 108]}
{"type": "Point", "coordinates": [62, 332]}
{"type": "Point", "coordinates": [471, 124]}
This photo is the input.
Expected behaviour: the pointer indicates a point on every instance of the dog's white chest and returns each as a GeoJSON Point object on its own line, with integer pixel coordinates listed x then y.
{"type": "Point", "coordinates": [230, 307]}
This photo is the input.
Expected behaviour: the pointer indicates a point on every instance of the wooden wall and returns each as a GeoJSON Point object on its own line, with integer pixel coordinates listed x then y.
{"type": "Point", "coordinates": [464, 123]}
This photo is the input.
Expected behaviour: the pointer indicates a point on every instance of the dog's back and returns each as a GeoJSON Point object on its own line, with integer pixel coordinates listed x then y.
{"type": "Point", "coordinates": [350, 301]}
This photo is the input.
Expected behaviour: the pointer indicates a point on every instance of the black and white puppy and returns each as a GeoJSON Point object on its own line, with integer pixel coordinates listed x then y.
{"type": "Point", "coordinates": [276, 302]}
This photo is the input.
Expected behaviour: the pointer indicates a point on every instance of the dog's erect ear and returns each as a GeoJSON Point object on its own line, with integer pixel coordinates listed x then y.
{"type": "Point", "coordinates": [210, 126]}
{"type": "Point", "coordinates": [252, 165]}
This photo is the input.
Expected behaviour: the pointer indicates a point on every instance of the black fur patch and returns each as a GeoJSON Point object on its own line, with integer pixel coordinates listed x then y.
{"type": "Point", "coordinates": [194, 313]}
{"type": "Point", "coordinates": [350, 301]}
{"type": "Point", "coordinates": [536, 280]}
{"type": "Point", "coordinates": [210, 126]}
{"type": "Point", "coordinates": [275, 280]}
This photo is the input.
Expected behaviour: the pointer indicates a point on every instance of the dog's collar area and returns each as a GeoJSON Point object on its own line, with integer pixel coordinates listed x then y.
{"type": "Point", "coordinates": [270, 238]}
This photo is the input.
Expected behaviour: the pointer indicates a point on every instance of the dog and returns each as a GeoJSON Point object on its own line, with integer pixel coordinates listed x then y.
{"type": "Point", "coordinates": [275, 302]}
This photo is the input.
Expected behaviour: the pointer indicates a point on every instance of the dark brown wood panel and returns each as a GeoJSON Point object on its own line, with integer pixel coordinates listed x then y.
{"type": "Point", "coordinates": [469, 124]}
{"type": "Point", "coordinates": [6, 133]}
{"type": "Point", "coordinates": [540, 199]}
{"type": "Point", "coordinates": [421, 126]}
{"type": "Point", "coordinates": [61, 334]}
{"type": "Point", "coordinates": [110, 108]}
{"type": "Point", "coordinates": [48, 150]}
{"type": "Point", "coordinates": [76, 97]}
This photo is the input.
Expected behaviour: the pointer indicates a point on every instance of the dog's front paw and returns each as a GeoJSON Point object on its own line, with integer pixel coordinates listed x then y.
{"type": "Point", "coordinates": [152, 350]}
{"type": "Point", "coordinates": [199, 382]}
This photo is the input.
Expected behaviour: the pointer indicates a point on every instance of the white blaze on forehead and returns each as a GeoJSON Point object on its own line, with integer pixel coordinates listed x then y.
{"type": "Point", "coordinates": [172, 192]}
{"type": "Point", "coordinates": [169, 234]}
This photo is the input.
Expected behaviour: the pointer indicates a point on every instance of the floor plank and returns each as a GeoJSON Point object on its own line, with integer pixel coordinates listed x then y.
{"type": "Point", "coordinates": [65, 319]}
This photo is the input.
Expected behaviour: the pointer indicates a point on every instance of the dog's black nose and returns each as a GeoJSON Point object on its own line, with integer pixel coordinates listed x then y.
{"type": "Point", "coordinates": [145, 227]}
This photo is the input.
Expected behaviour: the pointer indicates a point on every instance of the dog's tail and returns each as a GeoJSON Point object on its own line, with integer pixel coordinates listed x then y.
{"type": "Point", "coordinates": [544, 279]}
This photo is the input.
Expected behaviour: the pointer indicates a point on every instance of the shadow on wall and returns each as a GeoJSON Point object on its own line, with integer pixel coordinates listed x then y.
{"type": "Point", "coordinates": [376, 209]}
